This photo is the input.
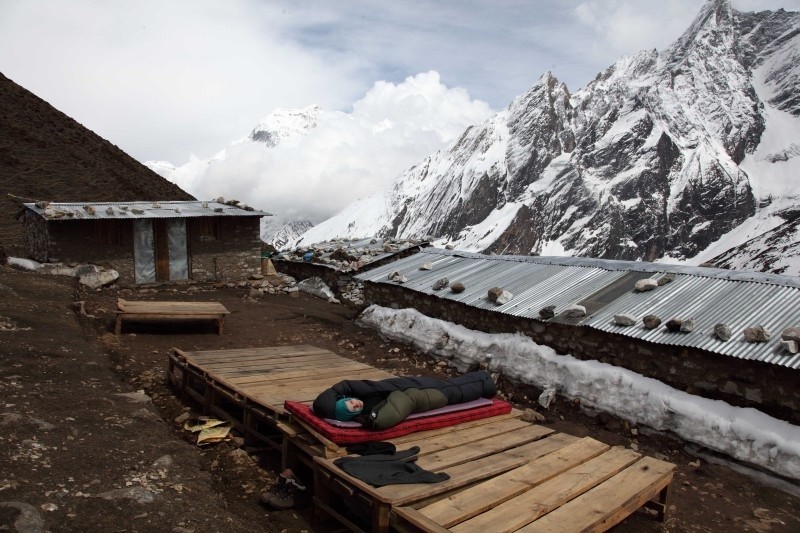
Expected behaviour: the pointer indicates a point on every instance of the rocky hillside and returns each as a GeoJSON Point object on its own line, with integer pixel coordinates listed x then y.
{"type": "Point", "coordinates": [664, 156]}
{"type": "Point", "coordinates": [776, 251]}
{"type": "Point", "coordinates": [46, 155]}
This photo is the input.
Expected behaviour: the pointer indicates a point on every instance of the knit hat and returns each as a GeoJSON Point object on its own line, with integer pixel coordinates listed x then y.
{"type": "Point", "coordinates": [342, 412]}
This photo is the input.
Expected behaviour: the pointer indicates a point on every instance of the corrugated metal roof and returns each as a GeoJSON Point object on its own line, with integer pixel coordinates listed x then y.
{"type": "Point", "coordinates": [133, 210]}
{"type": "Point", "coordinates": [707, 295]}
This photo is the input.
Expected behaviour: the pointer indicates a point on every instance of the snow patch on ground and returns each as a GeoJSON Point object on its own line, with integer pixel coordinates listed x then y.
{"type": "Point", "coordinates": [745, 434]}
{"type": "Point", "coordinates": [24, 264]}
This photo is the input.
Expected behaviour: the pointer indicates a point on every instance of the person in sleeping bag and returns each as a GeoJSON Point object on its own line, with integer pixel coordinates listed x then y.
{"type": "Point", "coordinates": [385, 403]}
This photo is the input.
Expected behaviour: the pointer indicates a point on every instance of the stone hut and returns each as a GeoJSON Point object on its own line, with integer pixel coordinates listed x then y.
{"type": "Point", "coordinates": [148, 242]}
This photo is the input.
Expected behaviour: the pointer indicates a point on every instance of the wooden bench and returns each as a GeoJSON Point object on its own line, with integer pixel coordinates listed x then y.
{"type": "Point", "coordinates": [169, 311]}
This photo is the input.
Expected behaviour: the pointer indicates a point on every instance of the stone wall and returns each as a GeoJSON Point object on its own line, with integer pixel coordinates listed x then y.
{"type": "Point", "coordinates": [76, 241]}
{"type": "Point", "coordinates": [35, 236]}
{"type": "Point", "coordinates": [300, 271]}
{"type": "Point", "coordinates": [338, 281]}
{"type": "Point", "coordinates": [233, 254]}
{"type": "Point", "coordinates": [769, 388]}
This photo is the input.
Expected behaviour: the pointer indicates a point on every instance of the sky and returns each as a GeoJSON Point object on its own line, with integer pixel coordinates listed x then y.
{"type": "Point", "coordinates": [180, 81]}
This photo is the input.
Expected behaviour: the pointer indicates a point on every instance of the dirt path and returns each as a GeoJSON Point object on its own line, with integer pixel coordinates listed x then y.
{"type": "Point", "coordinates": [83, 450]}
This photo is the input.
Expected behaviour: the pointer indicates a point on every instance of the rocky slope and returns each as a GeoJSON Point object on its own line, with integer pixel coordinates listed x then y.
{"type": "Point", "coordinates": [46, 155]}
{"type": "Point", "coordinates": [662, 157]}
{"type": "Point", "coordinates": [776, 251]}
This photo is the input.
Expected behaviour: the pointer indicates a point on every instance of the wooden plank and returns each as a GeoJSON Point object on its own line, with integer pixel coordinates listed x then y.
{"type": "Point", "coordinates": [504, 473]}
{"type": "Point", "coordinates": [419, 520]}
{"type": "Point", "coordinates": [406, 440]}
{"type": "Point", "coordinates": [529, 506]}
{"type": "Point", "coordinates": [303, 379]}
{"type": "Point", "coordinates": [289, 374]}
{"type": "Point", "coordinates": [255, 359]}
{"type": "Point", "coordinates": [158, 307]}
{"type": "Point", "coordinates": [275, 355]}
{"type": "Point", "coordinates": [265, 372]}
{"type": "Point", "coordinates": [270, 365]}
{"type": "Point", "coordinates": [312, 384]}
{"type": "Point", "coordinates": [253, 376]}
{"type": "Point", "coordinates": [459, 435]}
{"type": "Point", "coordinates": [162, 317]}
{"type": "Point", "coordinates": [292, 389]}
{"type": "Point", "coordinates": [491, 493]}
{"type": "Point", "coordinates": [265, 367]}
{"type": "Point", "coordinates": [479, 470]}
{"type": "Point", "coordinates": [244, 360]}
{"type": "Point", "coordinates": [272, 351]}
{"type": "Point", "coordinates": [475, 450]}
{"type": "Point", "coordinates": [328, 444]}
{"type": "Point", "coordinates": [249, 376]}
{"type": "Point", "coordinates": [270, 372]}
{"type": "Point", "coordinates": [156, 314]}
{"type": "Point", "coordinates": [468, 473]}
{"type": "Point", "coordinates": [611, 502]}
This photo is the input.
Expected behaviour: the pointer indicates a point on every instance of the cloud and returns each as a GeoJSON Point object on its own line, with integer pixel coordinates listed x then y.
{"type": "Point", "coordinates": [626, 27]}
{"type": "Point", "coordinates": [167, 79]}
{"type": "Point", "coordinates": [348, 155]}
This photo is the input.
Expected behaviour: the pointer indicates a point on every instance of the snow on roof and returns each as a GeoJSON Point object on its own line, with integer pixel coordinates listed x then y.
{"type": "Point", "coordinates": [606, 288]}
{"type": "Point", "coordinates": [133, 210]}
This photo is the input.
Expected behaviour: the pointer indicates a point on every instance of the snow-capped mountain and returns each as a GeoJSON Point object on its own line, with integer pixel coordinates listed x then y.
{"type": "Point", "coordinates": [776, 251]}
{"type": "Point", "coordinates": [283, 124]}
{"type": "Point", "coordinates": [281, 127]}
{"type": "Point", "coordinates": [673, 156]}
{"type": "Point", "coordinates": [280, 233]}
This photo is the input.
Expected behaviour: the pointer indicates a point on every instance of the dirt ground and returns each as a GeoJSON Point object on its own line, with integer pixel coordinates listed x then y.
{"type": "Point", "coordinates": [88, 440]}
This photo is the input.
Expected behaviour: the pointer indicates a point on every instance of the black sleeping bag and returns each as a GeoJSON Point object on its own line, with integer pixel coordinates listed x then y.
{"type": "Point", "coordinates": [374, 394]}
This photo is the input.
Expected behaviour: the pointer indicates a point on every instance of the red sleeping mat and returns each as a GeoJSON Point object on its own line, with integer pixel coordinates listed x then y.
{"type": "Point", "coordinates": [344, 436]}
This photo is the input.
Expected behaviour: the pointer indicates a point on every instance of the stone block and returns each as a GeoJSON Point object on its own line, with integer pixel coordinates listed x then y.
{"type": "Point", "coordinates": [644, 285]}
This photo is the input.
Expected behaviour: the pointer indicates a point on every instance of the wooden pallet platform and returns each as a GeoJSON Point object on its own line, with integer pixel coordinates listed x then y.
{"type": "Point", "coordinates": [505, 474]}
{"type": "Point", "coordinates": [506, 477]}
{"type": "Point", "coordinates": [249, 386]}
{"type": "Point", "coordinates": [148, 311]}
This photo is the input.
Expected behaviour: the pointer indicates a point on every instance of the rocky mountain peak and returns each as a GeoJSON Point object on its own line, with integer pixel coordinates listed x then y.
{"type": "Point", "coordinates": [658, 158]}
{"type": "Point", "coordinates": [713, 26]}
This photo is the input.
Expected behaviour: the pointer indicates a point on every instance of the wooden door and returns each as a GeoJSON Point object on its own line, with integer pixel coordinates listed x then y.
{"type": "Point", "coordinates": [161, 242]}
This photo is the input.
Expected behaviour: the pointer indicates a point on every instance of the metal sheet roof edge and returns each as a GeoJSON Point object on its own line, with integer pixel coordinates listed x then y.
{"type": "Point", "coordinates": [636, 266]}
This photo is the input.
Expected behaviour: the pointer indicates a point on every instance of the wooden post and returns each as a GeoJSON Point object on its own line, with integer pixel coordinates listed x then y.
{"type": "Point", "coordinates": [664, 498]}
{"type": "Point", "coordinates": [380, 516]}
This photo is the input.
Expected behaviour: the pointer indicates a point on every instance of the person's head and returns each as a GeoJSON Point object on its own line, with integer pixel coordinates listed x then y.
{"type": "Point", "coordinates": [348, 408]}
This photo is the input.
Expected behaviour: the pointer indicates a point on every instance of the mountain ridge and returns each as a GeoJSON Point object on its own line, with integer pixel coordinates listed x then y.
{"type": "Point", "coordinates": [652, 160]}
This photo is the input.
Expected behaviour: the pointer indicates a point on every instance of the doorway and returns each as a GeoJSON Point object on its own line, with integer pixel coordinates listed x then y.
{"type": "Point", "coordinates": [160, 250]}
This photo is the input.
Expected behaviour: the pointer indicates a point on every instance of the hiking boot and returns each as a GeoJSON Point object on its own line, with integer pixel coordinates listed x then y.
{"type": "Point", "coordinates": [287, 492]}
